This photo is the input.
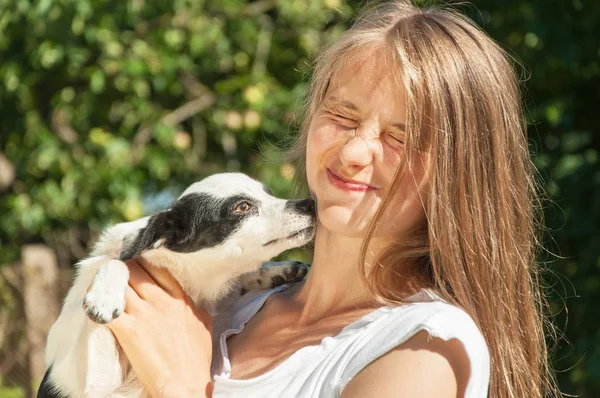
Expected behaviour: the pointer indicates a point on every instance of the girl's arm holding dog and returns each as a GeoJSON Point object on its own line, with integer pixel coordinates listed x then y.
{"type": "Point", "coordinates": [158, 312]}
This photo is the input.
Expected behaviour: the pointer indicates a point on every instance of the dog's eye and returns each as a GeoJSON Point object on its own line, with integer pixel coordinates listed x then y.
{"type": "Point", "coordinates": [242, 207]}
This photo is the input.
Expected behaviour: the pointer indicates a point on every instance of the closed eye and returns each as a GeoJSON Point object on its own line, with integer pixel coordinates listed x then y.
{"type": "Point", "coordinates": [345, 120]}
{"type": "Point", "coordinates": [395, 139]}
{"type": "Point", "coordinates": [343, 117]}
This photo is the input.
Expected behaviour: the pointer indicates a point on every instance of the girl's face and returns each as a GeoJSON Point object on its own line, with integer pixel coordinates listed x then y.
{"type": "Point", "coordinates": [356, 141]}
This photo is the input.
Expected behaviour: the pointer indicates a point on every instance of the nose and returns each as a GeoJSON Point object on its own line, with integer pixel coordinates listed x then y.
{"type": "Point", "coordinates": [356, 152]}
{"type": "Point", "coordinates": [305, 206]}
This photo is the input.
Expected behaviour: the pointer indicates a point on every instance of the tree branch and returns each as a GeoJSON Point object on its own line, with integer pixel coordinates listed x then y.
{"type": "Point", "coordinates": [7, 173]}
{"type": "Point", "coordinates": [173, 118]}
{"type": "Point", "coordinates": [263, 46]}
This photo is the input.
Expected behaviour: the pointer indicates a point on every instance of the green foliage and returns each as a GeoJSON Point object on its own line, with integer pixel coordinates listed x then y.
{"type": "Point", "coordinates": [109, 108]}
{"type": "Point", "coordinates": [10, 392]}
{"type": "Point", "coordinates": [106, 104]}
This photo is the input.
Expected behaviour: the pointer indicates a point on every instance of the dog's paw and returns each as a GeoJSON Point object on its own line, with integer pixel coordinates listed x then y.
{"type": "Point", "coordinates": [273, 274]}
{"type": "Point", "coordinates": [294, 271]}
{"type": "Point", "coordinates": [104, 305]}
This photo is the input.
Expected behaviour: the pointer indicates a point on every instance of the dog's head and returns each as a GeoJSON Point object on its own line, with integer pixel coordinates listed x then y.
{"type": "Point", "coordinates": [228, 212]}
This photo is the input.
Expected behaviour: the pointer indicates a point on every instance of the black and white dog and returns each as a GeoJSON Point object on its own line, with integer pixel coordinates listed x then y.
{"type": "Point", "coordinates": [213, 240]}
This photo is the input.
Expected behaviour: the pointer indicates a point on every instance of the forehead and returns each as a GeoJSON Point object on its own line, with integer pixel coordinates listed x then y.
{"type": "Point", "coordinates": [227, 185]}
{"type": "Point", "coordinates": [370, 79]}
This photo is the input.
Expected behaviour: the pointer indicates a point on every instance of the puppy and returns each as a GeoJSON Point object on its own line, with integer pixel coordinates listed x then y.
{"type": "Point", "coordinates": [211, 239]}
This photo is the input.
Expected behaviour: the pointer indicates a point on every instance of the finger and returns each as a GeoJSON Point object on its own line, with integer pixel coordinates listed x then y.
{"type": "Point", "coordinates": [123, 327]}
{"type": "Point", "coordinates": [162, 277]}
{"type": "Point", "coordinates": [141, 282]}
{"type": "Point", "coordinates": [133, 302]}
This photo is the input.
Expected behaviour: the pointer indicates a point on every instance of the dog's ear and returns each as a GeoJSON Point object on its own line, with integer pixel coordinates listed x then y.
{"type": "Point", "coordinates": [153, 236]}
{"type": "Point", "coordinates": [172, 228]}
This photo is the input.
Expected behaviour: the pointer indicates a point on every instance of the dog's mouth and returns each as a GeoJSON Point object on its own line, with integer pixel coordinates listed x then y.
{"type": "Point", "coordinates": [303, 234]}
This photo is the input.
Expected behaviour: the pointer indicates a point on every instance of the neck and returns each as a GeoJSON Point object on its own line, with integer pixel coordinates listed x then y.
{"type": "Point", "coordinates": [334, 284]}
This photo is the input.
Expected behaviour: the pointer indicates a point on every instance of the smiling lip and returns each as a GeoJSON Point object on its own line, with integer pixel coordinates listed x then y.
{"type": "Point", "coordinates": [347, 185]}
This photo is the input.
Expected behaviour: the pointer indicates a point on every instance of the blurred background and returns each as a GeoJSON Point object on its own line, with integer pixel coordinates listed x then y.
{"type": "Point", "coordinates": [109, 108]}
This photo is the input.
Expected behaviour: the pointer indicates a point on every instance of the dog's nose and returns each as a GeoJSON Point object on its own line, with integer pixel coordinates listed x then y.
{"type": "Point", "coordinates": [302, 205]}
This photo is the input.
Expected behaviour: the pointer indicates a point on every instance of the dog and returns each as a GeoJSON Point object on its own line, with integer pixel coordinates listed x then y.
{"type": "Point", "coordinates": [213, 240]}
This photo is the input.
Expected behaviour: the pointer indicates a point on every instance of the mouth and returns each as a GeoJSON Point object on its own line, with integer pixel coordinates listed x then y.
{"type": "Point", "coordinates": [301, 235]}
{"type": "Point", "coordinates": [347, 185]}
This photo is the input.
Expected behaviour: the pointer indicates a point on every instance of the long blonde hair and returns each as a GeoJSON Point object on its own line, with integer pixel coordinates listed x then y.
{"type": "Point", "coordinates": [478, 245]}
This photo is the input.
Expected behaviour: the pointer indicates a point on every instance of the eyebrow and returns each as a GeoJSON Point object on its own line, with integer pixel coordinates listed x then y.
{"type": "Point", "coordinates": [334, 101]}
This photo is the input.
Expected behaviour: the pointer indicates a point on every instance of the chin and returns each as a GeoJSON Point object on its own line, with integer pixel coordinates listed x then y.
{"type": "Point", "coordinates": [343, 221]}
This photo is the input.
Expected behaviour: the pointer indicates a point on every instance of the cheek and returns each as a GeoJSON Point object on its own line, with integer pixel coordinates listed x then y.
{"type": "Point", "coordinates": [406, 209]}
{"type": "Point", "coordinates": [391, 160]}
{"type": "Point", "coordinates": [322, 140]}
{"type": "Point", "coordinates": [323, 133]}
{"type": "Point", "coordinates": [311, 155]}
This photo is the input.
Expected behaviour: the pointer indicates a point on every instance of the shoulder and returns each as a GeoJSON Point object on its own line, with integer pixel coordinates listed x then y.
{"type": "Point", "coordinates": [415, 342]}
{"type": "Point", "coordinates": [422, 366]}
{"type": "Point", "coordinates": [442, 322]}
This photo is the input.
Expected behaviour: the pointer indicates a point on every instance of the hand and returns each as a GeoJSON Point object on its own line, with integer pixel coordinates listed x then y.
{"type": "Point", "coordinates": [166, 339]}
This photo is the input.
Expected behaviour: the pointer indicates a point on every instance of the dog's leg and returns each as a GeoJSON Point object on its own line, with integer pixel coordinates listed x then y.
{"type": "Point", "coordinates": [111, 239]}
{"type": "Point", "coordinates": [272, 274]}
{"type": "Point", "coordinates": [80, 352]}
{"type": "Point", "coordinates": [106, 298]}
{"type": "Point", "coordinates": [81, 356]}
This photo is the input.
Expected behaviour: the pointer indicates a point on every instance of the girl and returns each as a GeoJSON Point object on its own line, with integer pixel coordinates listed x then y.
{"type": "Point", "coordinates": [424, 279]}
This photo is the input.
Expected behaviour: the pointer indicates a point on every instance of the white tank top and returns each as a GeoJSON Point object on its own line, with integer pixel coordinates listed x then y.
{"type": "Point", "coordinates": [324, 370]}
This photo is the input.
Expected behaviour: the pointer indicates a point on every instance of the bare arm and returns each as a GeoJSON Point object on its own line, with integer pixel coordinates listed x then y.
{"type": "Point", "coordinates": [421, 367]}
